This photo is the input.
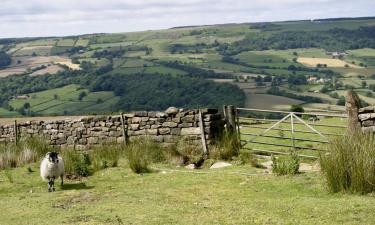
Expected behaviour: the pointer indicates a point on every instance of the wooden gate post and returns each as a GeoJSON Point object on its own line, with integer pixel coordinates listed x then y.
{"type": "Point", "coordinates": [15, 132]}
{"type": "Point", "coordinates": [230, 118]}
{"type": "Point", "coordinates": [203, 135]}
{"type": "Point", "coordinates": [124, 135]}
{"type": "Point", "coordinates": [353, 104]}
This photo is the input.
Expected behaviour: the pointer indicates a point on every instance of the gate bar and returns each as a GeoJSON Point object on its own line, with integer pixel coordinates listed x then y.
{"type": "Point", "coordinates": [314, 124]}
{"type": "Point", "coordinates": [284, 112]}
{"type": "Point", "coordinates": [297, 131]}
{"type": "Point", "coordinates": [287, 138]}
{"type": "Point", "coordinates": [281, 145]}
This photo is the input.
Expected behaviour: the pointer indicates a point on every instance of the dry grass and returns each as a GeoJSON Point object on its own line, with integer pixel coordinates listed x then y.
{"type": "Point", "coordinates": [312, 62]}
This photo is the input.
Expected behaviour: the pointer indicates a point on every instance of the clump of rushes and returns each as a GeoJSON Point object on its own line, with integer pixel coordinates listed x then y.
{"type": "Point", "coordinates": [349, 163]}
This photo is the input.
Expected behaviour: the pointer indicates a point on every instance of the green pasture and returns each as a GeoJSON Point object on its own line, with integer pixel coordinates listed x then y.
{"type": "Point", "coordinates": [65, 100]}
{"type": "Point", "coordinates": [66, 42]}
{"type": "Point", "coordinates": [323, 25]}
{"type": "Point", "coordinates": [236, 195]}
{"type": "Point", "coordinates": [82, 42]}
{"type": "Point", "coordinates": [7, 113]}
{"type": "Point", "coordinates": [164, 70]}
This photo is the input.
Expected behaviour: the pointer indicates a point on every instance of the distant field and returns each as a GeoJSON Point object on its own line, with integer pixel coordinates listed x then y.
{"type": "Point", "coordinates": [57, 101]}
{"type": "Point", "coordinates": [109, 45]}
{"type": "Point", "coordinates": [43, 50]}
{"type": "Point", "coordinates": [313, 62]}
{"type": "Point", "coordinates": [52, 69]}
{"type": "Point", "coordinates": [23, 64]}
{"type": "Point", "coordinates": [82, 42]}
{"type": "Point", "coordinates": [66, 42]}
{"type": "Point", "coordinates": [7, 113]}
{"type": "Point", "coordinates": [265, 101]}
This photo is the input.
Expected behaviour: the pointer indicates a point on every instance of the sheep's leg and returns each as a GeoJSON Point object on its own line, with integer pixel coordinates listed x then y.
{"type": "Point", "coordinates": [53, 184]}
{"type": "Point", "coordinates": [62, 180]}
{"type": "Point", "coordinates": [50, 184]}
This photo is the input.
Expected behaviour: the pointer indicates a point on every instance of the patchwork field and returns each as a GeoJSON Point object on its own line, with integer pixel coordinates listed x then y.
{"type": "Point", "coordinates": [23, 64]}
{"type": "Point", "coordinates": [313, 62]}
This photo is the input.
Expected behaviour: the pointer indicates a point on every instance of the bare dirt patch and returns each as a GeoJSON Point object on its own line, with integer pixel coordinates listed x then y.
{"type": "Point", "coordinates": [313, 62]}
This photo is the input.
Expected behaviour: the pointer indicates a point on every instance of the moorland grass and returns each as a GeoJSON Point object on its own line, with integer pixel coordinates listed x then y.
{"type": "Point", "coordinates": [349, 164]}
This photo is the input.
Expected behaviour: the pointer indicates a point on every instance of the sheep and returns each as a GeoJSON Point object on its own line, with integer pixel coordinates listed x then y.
{"type": "Point", "coordinates": [51, 168]}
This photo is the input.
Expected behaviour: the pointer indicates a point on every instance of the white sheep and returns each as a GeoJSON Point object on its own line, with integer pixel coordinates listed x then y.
{"type": "Point", "coordinates": [51, 168]}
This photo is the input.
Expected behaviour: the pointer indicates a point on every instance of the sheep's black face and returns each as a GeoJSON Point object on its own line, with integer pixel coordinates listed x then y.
{"type": "Point", "coordinates": [53, 157]}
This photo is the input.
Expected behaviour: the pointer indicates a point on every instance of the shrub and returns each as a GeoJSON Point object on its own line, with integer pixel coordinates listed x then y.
{"type": "Point", "coordinates": [349, 164]}
{"type": "Point", "coordinates": [246, 157]}
{"type": "Point", "coordinates": [285, 165]}
{"type": "Point", "coordinates": [76, 163]}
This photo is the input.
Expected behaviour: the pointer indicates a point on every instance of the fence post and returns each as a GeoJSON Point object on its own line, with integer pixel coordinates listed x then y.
{"type": "Point", "coordinates": [15, 132]}
{"type": "Point", "coordinates": [203, 136]}
{"type": "Point", "coordinates": [123, 127]}
{"type": "Point", "coordinates": [238, 125]}
{"type": "Point", "coordinates": [353, 104]}
{"type": "Point", "coordinates": [230, 118]}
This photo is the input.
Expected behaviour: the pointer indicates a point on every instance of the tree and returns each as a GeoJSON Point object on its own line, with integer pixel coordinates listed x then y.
{"type": "Point", "coordinates": [341, 101]}
{"type": "Point", "coordinates": [82, 95]}
{"type": "Point", "coordinates": [297, 108]}
{"type": "Point", "coordinates": [364, 84]}
{"type": "Point", "coordinates": [5, 59]}
{"type": "Point", "coordinates": [26, 105]}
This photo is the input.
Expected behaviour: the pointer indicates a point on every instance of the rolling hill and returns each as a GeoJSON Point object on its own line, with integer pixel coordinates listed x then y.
{"type": "Point", "coordinates": [311, 61]}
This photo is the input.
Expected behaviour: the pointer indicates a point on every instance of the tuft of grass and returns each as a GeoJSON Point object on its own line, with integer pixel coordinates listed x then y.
{"type": "Point", "coordinates": [226, 147]}
{"type": "Point", "coordinates": [349, 164]}
{"type": "Point", "coordinates": [190, 150]}
{"type": "Point", "coordinates": [285, 165]}
{"type": "Point", "coordinates": [138, 157]}
{"type": "Point", "coordinates": [28, 150]}
{"type": "Point", "coordinates": [108, 155]}
{"type": "Point", "coordinates": [8, 175]}
{"type": "Point", "coordinates": [246, 157]}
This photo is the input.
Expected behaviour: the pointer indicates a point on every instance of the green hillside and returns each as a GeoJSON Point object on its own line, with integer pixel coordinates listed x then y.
{"type": "Point", "coordinates": [251, 56]}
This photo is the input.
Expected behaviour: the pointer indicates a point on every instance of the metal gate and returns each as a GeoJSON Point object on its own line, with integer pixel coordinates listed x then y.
{"type": "Point", "coordinates": [280, 132]}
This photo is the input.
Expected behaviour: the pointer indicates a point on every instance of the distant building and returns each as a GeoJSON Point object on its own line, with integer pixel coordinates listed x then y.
{"type": "Point", "coordinates": [312, 80]}
{"type": "Point", "coordinates": [316, 80]}
{"type": "Point", "coordinates": [21, 97]}
{"type": "Point", "coordinates": [337, 54]}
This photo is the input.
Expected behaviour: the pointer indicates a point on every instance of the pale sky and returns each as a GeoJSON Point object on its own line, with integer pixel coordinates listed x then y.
{"type": "Point", "coordinates": [27, 18]}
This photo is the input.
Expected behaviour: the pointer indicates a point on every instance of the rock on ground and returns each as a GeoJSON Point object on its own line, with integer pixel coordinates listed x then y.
{"type": "Point", "coordinates": [219, 165]}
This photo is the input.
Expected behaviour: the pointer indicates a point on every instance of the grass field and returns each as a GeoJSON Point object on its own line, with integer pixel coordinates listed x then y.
{"type": "Point", "coordinates": [236, 195]}
{"type": "Point", "coordinates": [265, 101]}
{"type": "Point", "coordinates": [67, 101]}
{"type": "Point", "coordinates": [66, 42]}
{"type": "Point", "coordinates": [7, 113]}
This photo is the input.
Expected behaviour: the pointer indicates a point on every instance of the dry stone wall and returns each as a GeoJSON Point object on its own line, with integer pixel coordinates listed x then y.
{"type": "Point", "coordinates": [166, 127]}
{"type": "Point", "coordinates": [366, 117]}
